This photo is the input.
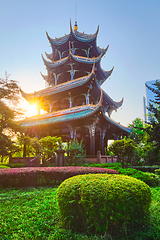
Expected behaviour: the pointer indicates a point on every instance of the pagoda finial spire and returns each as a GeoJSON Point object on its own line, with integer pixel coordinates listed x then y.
{"type": "Point", "coordinates": [75, 26]}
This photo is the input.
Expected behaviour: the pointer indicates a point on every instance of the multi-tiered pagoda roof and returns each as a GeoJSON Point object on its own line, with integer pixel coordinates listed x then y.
{"type": "Point", "coordinates": [74, 103]}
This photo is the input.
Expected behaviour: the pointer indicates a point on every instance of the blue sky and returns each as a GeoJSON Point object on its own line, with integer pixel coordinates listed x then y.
{"type": "Point", "coordinates": [130, 28]}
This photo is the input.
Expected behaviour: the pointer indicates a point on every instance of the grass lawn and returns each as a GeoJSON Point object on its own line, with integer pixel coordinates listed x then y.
{"type": "Point", "coordinates": [32, 213]}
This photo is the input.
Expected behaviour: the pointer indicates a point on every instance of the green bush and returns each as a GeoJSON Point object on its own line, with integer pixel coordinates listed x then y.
{"type": "Point", "coordinates": [150, 178]}
{"type": "Point", "coordinates": [102, 202]}
{"type": "Point", "coordinates": [104, 165]}
{"type": "Point", "coordinates": [3, 166]}
{"type": "Point", "coordinates": [157, 171]}
{"type": "Point", "coordinates": [75, 153]}
{"type": "Point", "coordinates": [17, 165]}
{"type": "Point", "coordinates": [150, 169]}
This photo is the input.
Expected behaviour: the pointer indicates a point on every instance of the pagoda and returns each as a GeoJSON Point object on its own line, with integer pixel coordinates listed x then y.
{"type": "Point", "coordinates": [74, 104]}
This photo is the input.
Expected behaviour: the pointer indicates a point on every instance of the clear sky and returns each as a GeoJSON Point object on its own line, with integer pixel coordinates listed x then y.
{"type": "Point", "coordinates": [131, 28]}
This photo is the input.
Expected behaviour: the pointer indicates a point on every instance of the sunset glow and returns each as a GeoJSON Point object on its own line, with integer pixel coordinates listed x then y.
{"type": "Point", "coordinates": [31, 110]}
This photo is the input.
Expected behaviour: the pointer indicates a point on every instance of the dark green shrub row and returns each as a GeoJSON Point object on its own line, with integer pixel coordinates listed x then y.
{"type": "Point", "coordinates": [101, 202]}
{"type": "Point", "coordinates": [150, 169]}
{"type": "Point", "coordinates": [17, 165]}
{"type": "Point", "coordinates": [150, 178]}
{"type": "Point", "coordinates": [39, 176]}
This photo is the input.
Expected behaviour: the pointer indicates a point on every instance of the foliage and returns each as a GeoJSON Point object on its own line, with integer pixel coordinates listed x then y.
{"type": "Point", "coordinates": [114, 165]}
{"type": "Point", "coordinates": [38, 176]}
{"type": "Point", "coordinates": [33, 214]}
{"type": "Point", "coordinates": [149, 178]}
{"type": "Point", "coordinates": [157, 171]}
{"type": "Point", "coordinates": [25, 145]}
{"type": "Point", "coordinates": [9, 96]}
{"type": "Point", "coordinates": [76, 152]}
{"type": "Point", "coordinates": [146, 148]}
{"type": "Point", "coordinates": [3, 166]}
{"type": "Point", "coordinates": [150, 169]}
{"type": "Point", "coordinates": [33, 146]}
{"type": "Point", "coordinates": [138, 134]}
{"type": "Point", "coordinates": [17, 165]}
{"type": "Point", "coordinates": [154, 117]}
{"type": "Point", "coordinates": [48, 145]}
{"type": "Point", "coordinates": [99, 203]}
{"type": "Point", "coordinates": [125, 149]}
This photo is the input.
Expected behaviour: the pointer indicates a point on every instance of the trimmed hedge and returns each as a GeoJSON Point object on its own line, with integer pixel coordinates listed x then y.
{"type": "Point", "coordinates": [150, 169]}
{"type": "Point", "coordinates": [150, 178]}
{"type": "Point", "coordinates": [17, 165]}
{"type": "Point", "coordinates": [101, 202]}
{"type": "Point", "coordinates": [37, 176]}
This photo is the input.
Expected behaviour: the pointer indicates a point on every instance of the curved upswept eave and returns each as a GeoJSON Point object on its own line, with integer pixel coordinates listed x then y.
{"type": "Point", "coordinates": [77, 58]}
{"type": "Point", "coordinates": [69, 114]}
{"type": "Point", "coordinates": [107, 74]}
{"type": "Point", "coordinates": [89, 60]}
{"type": "Point", "coordinates": [59, 88]}
{"type": "Point", "coordinates": [100, 49]}
{"type": "Point", "coordinates": [58, 41]}
{"type": "Point", "coordinates": [30, 97]}
{"type": "Point", "coordinates": [49, 56]}
{"type": "Point", "coordinates": [119, 104]}
{"type": "Point", "coordinates": [108, 99]}
{"type": "Point", "coordinates": [45, 77]}
{"type": "Point", "coordinates": [85, 37]}
{"type": "Point", "coordinates": [118, 125]}
{"type": "Point", "coordinates": [54, 64]}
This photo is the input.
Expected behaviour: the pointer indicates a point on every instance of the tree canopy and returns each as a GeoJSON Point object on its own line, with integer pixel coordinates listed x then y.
{"type": "Point", "coordinates": [124, 149]}
{"type": "Point", "coordinates": [9, 98]}
{"type": "Point", "coordinates": [154, 114]}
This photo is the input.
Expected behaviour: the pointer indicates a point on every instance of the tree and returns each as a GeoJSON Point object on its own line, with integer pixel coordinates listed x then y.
{"type": "Point", "coordinates": [154, 119]}
{"type": "Point", "coordinates": [25, 145]}
{"type": "Point", "coordinates": [48, 145]}
{"type": "Point", "coordinates": [138, 134]}
{"type": "Point", "coordinates": [154, 113]}
{"type": "Point", "coordinates": [125, 149]}
{"type": "Point", "coordinates": [76, 152]}
{"type": "Point", "coordinates": [32, 146]}
{"type": "Point", "coordinates": [9, 96]}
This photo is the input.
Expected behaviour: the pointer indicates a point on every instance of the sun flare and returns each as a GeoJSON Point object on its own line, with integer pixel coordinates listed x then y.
{"type": "Point", "coordinates": [31, 110]}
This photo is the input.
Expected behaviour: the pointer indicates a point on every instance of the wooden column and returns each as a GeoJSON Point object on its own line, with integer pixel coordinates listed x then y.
{"type": "Point", "coordinates": [102, 142]}
{"type": "Point", "coordinates": [72, 132]}
{"type": "Point", "coordinates": [92, 139]}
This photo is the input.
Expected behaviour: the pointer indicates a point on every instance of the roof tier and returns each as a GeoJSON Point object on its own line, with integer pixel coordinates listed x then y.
{"type": "Point", "coordinates": [81, 44]}
{"type": "Point", "coordinates": [74, 87]}
{"type": "Point", "coordinates": [74, 114]}
{"type": "Point", "coordinates": [76, 65]}
{"type": "Point", "coordinates": [74, 54]}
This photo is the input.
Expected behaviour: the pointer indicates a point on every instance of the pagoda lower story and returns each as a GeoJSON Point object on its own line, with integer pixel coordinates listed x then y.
{"type": "Point", "coordinates": [74, 103]}
{"type": "Point", "coordinates": [87, 123]}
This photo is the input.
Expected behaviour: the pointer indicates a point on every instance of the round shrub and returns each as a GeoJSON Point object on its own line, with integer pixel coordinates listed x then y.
{"type": "Point", "coordinates": [102, 202]}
